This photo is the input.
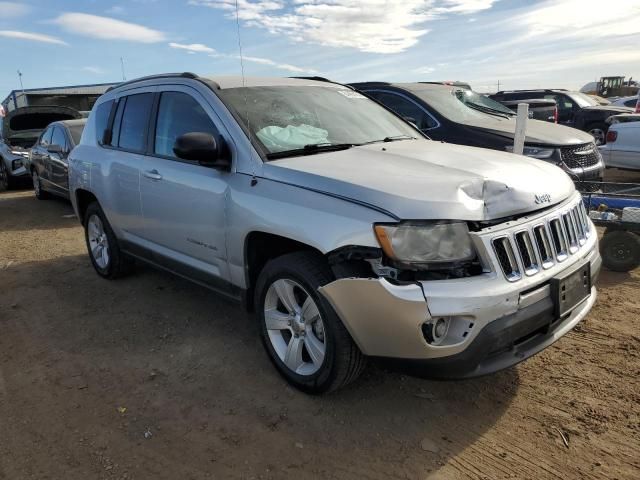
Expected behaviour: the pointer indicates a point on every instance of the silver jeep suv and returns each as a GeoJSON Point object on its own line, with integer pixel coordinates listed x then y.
{"type": "Point", "coordinates": [349, 233]}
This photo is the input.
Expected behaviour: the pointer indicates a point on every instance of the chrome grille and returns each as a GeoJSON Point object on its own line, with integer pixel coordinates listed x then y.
{"type": "Point", "coordinates": [542, 244]}
{"type": "Point", "coordinates": [582, 156]}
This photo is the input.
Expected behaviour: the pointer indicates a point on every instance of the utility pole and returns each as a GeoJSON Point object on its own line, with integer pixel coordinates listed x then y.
{"type": "Point", "coordinates": [498, 85]}
{"type": "Point", "coordinates": [20, 78]}
{"type": "Point", "coordinates": [124, 78]}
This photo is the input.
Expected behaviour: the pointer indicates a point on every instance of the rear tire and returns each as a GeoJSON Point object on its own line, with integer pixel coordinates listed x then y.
{"type": "Point", "coordinates": [105, 254]}
{"type": "Point", "coordinates": [620, 250]}
{"type": "Point", "coordinates": [304, 337]}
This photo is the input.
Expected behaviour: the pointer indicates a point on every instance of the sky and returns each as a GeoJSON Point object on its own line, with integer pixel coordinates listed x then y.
{"type": "Point", "coordinates": [518, 43]}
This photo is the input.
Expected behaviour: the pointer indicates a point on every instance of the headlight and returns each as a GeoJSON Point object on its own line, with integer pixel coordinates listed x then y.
{"type": "Point", "coordinates": [533, 152]}
{"type": "Point", "coordinates": [16, 164]}
{"type": "Point", "coordinates": [426, 243]}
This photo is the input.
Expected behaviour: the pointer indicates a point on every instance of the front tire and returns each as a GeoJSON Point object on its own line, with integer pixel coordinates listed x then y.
{"type": "Point", "coordinates": [301, 332]}
{"type": "Point", "coordinates": [599, 132]}
{"type": "Point", "coordinates": [105, 254]}
{"type": "Point", "coordinates": [37, 187]}
{"type": "Point", "coordinates": [4, 176]}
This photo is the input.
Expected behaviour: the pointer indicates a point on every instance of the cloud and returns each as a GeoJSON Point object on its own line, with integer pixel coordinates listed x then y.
{"type": "Point", "coordinates": [266, 61]}
{"type": "Point", "coordinates": [192, 47]}
{"type": "Point", "coordinates": [94, 70]}
{"type": "Point", "coordinates": [13, 9]}
{"type": "Point", "coordinates": [34, 37]}
{"type": "Point", "coordinates": [377, 26]}
{"type": "Point", "coordinates": [107, 28]}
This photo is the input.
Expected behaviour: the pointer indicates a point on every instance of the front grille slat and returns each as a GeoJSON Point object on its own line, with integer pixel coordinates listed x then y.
{"type": "Point", "coordinates": [543, 242]}
{"type": "Point", "coordinates": [581, 156]}
{"type": "Point", "coordinates": [527, 253]}
{"type": "Point", "coordinates": [507, 259]}
{"type": "Point", "coordinates": [559, 239]}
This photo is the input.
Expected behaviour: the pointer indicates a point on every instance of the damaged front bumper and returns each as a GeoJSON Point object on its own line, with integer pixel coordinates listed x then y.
{"type": "Point", "coordinates": [493, 323]}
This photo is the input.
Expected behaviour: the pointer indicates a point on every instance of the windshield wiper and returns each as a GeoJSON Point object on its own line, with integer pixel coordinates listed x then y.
{"type": "Point", "coordinates": [489, 110]}
{"type": "Point", "coordinates": [311, 149]}
{"type": "Point", "coordinates": [390, 139]}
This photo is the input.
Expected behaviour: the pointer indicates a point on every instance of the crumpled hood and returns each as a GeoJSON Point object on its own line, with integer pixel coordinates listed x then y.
{"type": "Point", "coordinates": [422, 179]}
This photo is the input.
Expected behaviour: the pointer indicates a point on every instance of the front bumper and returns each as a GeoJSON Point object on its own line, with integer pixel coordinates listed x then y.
{"type": "Point", "coordinates": [494, 323]}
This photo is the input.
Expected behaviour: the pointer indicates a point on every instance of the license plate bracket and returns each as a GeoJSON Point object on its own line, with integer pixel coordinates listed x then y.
{"type": "Point", "coordinates": [571, 289]}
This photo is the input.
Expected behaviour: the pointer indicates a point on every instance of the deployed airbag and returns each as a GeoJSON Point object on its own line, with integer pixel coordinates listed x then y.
{"type": "Point", "coordinates": [291, 137]}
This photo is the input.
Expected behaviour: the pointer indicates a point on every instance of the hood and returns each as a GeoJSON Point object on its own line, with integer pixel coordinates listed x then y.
{"type": "Point", "coordinates": [538, 132]}
{"type": "Point", "coordinates": [426, 180]}
{"type": "Point", "coordinates": [23, 126]}
{"type": "Point", "coordinates": [612, 109]}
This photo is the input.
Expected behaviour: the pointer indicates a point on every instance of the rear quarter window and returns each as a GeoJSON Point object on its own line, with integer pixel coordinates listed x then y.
{"type": "Point", "coordinates": [103, 112]}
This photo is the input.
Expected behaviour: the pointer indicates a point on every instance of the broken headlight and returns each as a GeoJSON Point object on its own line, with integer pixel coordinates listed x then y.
{"type": "Point", "coordinates": [441, 242]}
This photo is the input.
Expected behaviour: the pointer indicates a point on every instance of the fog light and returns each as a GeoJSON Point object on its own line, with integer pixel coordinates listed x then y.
{"type": "Point", "coordinates": [436, 330]}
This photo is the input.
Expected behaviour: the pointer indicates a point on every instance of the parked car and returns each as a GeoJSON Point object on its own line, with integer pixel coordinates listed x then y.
{"type": "Point", "coordinates": [48, 158]}
{"type": "Point", "coordinates": [539, 108]}
{"type": "Point", "coordinates": [346, 231]}
{"type": "Point", "coordinates": [20, 130]}
{"type": "Point", "coordinates": [626, 101]}
{"type": "Point", "coordinates": [575, 109]}
{"type": "Point", "coordinates": [622, 149]}
{"type": "Point", "coordinates": [464, 117]}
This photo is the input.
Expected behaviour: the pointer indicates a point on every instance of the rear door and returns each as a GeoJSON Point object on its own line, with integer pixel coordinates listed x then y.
{"type": "Point", "coordinates": [184, 202]}
{"type": "Point", "coordinates": [125, 145]}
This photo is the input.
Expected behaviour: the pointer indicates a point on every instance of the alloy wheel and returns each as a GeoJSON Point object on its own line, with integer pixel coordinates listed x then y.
{"type": "Point", "coordinates": [294, 327]}
{"type": "Point", "coordinates": [36, 183]}
{"type": "Point", "coordinates": [98, 241]}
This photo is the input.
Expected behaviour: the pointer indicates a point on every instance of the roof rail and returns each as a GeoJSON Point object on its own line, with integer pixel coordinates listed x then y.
{"type": "Point", "coordinates": [153, 77]}
{"type": "Point", "coordinates": [369, 83]}
{"type": "Point", "coordinates": [533, 90]}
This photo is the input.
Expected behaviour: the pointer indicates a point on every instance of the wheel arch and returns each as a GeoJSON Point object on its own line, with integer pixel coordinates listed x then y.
{"type": "Point", "coordinates": [259, 248]}
{"type": "Point", "coordinates": [83, 199]}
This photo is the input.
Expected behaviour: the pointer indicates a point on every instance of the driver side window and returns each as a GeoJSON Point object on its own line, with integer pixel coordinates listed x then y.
{"type": "Point", "coordinates": [45, 139]}
{"type": "Point", "coordinates": [179, 113]}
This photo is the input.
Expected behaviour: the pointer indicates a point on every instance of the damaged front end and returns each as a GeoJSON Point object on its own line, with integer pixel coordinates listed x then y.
{"type": "Point", "coordinates": [476, 315]}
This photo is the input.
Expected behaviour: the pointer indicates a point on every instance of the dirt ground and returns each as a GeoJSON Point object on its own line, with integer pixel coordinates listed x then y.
{"type": "Point", "coordinates": [151, 377]}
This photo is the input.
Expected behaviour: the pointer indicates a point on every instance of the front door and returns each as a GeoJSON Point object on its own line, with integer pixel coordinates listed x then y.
{"type": "Point", "coordinates": [58, 163]}
{"type": "Point", "coordinates": [184, 202]}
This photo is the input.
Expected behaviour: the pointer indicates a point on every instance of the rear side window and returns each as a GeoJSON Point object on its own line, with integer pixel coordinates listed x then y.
{"type": "Point", "coordinates": [135, 122]}
{"type": "Point", "coordinates": [179, 113]}
{"type": "Point", "coordinates": [102, 119]}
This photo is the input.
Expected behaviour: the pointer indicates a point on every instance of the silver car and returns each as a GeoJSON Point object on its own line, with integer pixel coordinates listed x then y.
{"type": "Point", "coordinates": [345, 230]}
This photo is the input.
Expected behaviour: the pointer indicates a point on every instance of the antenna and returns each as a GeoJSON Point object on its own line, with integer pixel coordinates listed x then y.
{"type": "Point", "coordinates": [124, 78]}
{"type": "Point", "coordinates": [254, 181]}
{"type": "Point", "coordinates": [240, 43]}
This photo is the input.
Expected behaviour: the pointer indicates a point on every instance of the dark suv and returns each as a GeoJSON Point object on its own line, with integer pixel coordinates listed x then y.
{"type": "Point", "coordinates": [456, 115]}
{"type": "Point", "coordinates": [575, 109]}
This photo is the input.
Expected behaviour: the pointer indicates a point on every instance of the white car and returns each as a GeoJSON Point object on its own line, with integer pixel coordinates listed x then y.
{"type": "Point", "coordinates": [622, 149]}
{"type": "Point", "coordinates": [626, 101]}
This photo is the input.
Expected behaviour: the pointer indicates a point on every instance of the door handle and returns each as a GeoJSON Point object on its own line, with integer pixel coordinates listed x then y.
{"type": "Point", "coordinates": [152, 174]}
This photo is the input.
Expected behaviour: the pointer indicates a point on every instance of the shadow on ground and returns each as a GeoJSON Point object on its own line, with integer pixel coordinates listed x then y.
{"type": "Point", "coordinates": [29, 213]}
{"type": "Point", "coordinates": [200, 394]}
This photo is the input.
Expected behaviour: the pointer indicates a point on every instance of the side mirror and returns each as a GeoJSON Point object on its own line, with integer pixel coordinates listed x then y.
{"type": "Point", "coordinates": [202, 148]}
{"type": "Point", "coordinates": [54, 149]}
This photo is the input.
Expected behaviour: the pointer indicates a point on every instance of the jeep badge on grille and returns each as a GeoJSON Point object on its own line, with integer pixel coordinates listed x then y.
{"type": "Point", "coordinates": [544, 198]}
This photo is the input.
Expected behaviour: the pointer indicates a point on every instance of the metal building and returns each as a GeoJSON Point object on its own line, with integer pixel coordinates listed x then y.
{"type": "Point", "coordinates": [79, 97]}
